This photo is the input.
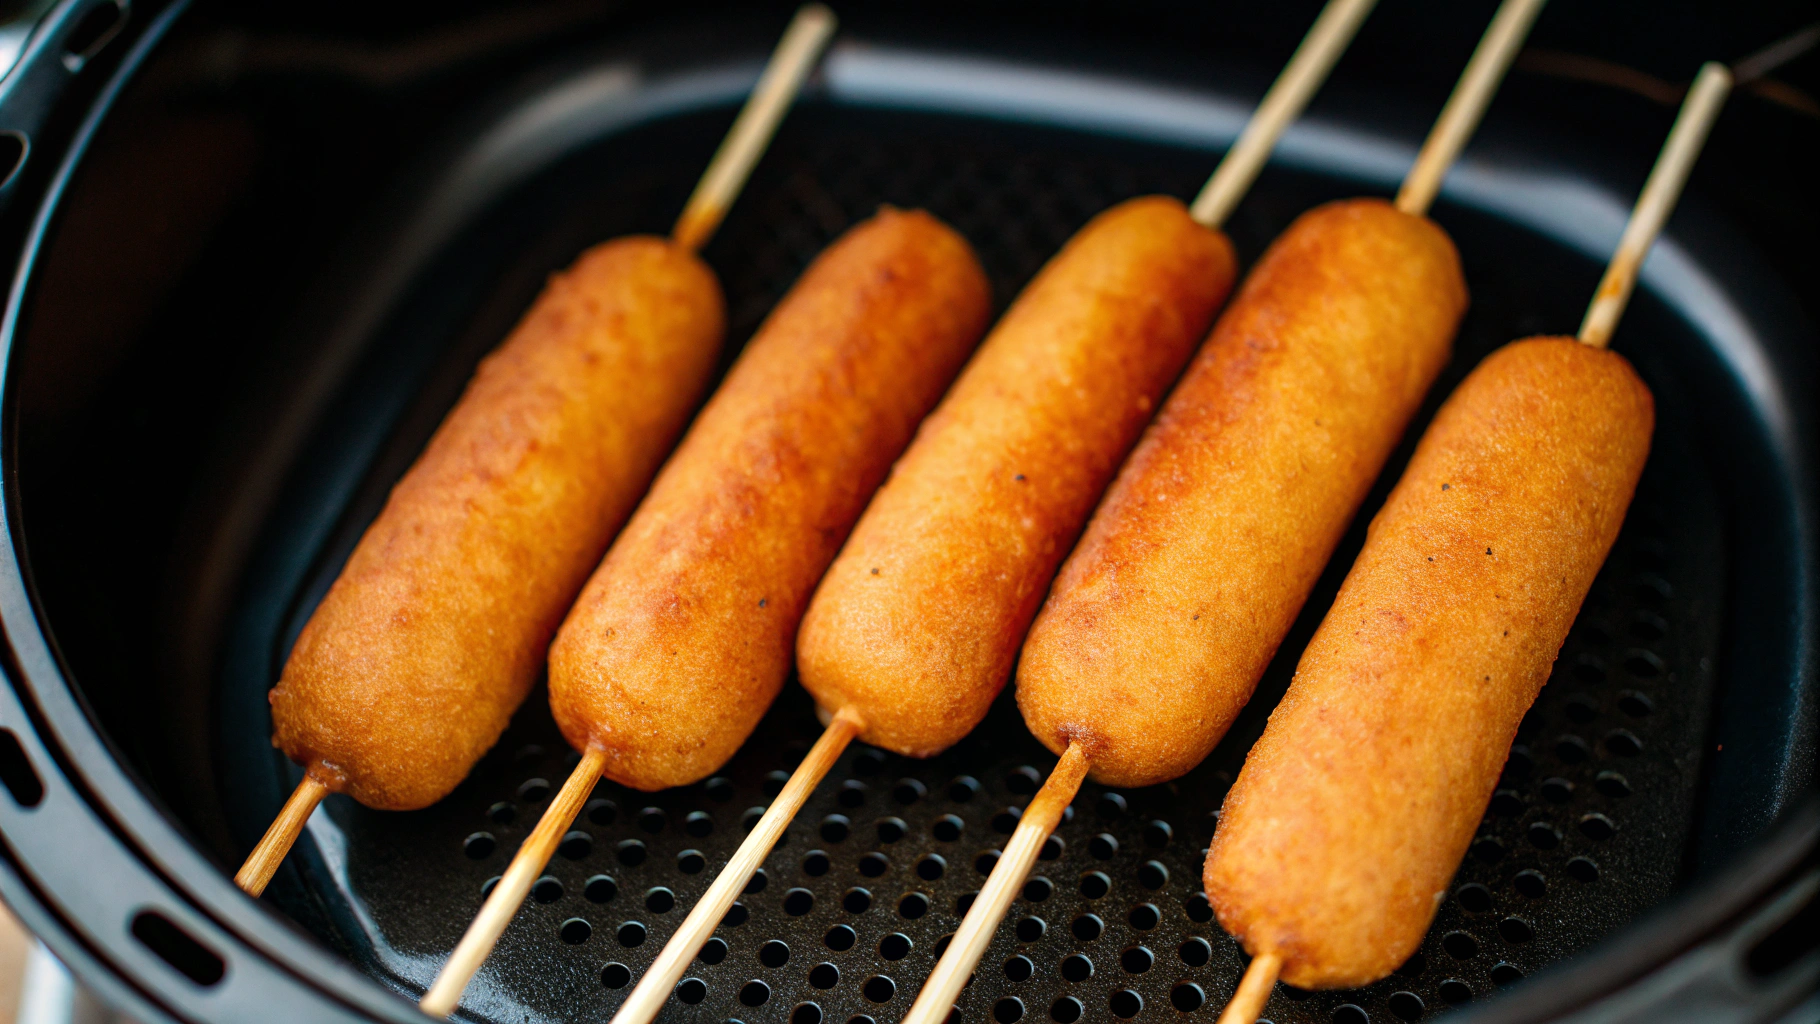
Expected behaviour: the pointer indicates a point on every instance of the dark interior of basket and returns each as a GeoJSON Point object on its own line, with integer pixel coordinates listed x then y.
{"type": "Point", "coordinates": [1592, 824]}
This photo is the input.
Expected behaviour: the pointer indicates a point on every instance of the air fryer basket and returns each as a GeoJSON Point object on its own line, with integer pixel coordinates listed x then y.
{"type": "Point", "coordinates": [1619, 793]}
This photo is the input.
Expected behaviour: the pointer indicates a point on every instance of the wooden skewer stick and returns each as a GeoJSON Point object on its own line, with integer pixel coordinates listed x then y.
{"type": "Point", "coordinates": [654, 988]}
{"type": "Point", "coordinates": [790, 63]}
{"type": "Point", "coordinates": [1294, 87]}
{"type": "Point", "coordinates": [1477, 85]}
{"type": "Point", "coordinates": [509, 894]}
{"type": "Point", "coordinates": [936, 999]}
{"type": "Point", "coordinates": [1254, 990]}
{"type": "Point", "coordinates": [1664, 186]}
{"type": "Point", "coordinates": [262, 863]}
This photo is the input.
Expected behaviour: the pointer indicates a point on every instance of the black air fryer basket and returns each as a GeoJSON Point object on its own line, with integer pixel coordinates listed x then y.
{"type": "Point", "coordinates": [260, 250]}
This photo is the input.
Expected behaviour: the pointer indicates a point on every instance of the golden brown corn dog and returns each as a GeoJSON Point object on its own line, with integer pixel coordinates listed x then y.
{"type": "Point", "coordinates": [918, 622]}
{"type": "Point", "coordinates": [1203, 551]}
{"type": "Point", "coordinates": [410, 667]}
{"type": "Point", "coordinates": [683, 637]}
{"type": "Point", "coordinates": [1352, 812]}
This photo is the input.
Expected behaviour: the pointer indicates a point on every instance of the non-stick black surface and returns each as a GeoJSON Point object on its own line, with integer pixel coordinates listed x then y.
{"type": "Point", "coordinates": [1592, 825]}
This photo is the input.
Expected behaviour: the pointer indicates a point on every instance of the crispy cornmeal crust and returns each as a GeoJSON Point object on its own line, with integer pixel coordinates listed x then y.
{"type": "Point", "coordinates": [1353, 811]}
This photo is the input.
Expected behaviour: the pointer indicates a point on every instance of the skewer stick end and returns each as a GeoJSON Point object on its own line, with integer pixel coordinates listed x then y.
{"type": "Point", "coordinates": [262, 863]}
{"type": "Point", "coordinates": [1254, 990]}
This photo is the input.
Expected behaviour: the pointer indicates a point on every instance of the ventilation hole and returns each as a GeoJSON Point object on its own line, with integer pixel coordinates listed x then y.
{"type": "Point", "coordinates": [1153, 875]}
{"type": "Point", "coordinates": [1406, 1006]}
{"type": "Point", "coordinates": [546, 890]}
{"type": "Point", "coordinates": [816, 863]}
{"type": "Point", "coordinates": [941, 944]}
{"type": "Point", "coordinates": [1580, 708]}
{"type": "Point", "coordinates": [1052, 848]}
{"type": "Point", "coordinates": [1516, 931]}
{"type": "Point", "coordinates": [1589, 669]}
{"type": "Point", "coordinates": [965, 903]}
{"type": "Point", "coordinates": [1023, 780]}
{"type": "Point", "coordinates": [1572, 749]}
{"type": "Point", "coordinates": [1103, 846]}
{"type": "Point", "coordinates": [1488, 849]}
{"type": "Point", "coordinates": [1005, 821]}
{"type": "Point", "coordinates": [840, 938]}
{"type": "Point", "coordinates": [1635, 704]}
{"type": "Point", "coordinates": [630, 852]}
{"type": "Point", "coordinates": [1187, 997]}
{"type": "Point", "coordinates": [1455, 991]}
{"type": "Point", "coordinates": [713, 952]}
{"type": "Point", "coordinates": [1642, 664]}
{"type": "Point", "coordinates": [806, 1013]}
{"type": "Point", "coordinates": [1350, 1013]}
{"type": "Point", "coordinates": [174, 946]}
{"type": "Point", "coordinates": [947, 828]}
{"type": "Point", "coordinates": [534, 790]}
{"type": "Point", "coordinates": [1530, 884]}
{"type": "Point", "coordinates": [1195, 952]}
{"type": "Point", "coordinates": [836, 827]}
{"type": "Point", "coordinates": [718, 789]}
{"type": "Point", "coordinates": [616, 976]}
{"type": "Point", "coordinates": [1008, 1010]}
{"type": "Point", "coordinates": [502, 813]}
{"type": "Point", "coordinates": [486, 887]}
{"type": "Point", "coordinates": [879, 988]}
{"type": "Point", "coordinates": [1136, 959]}
{"type": "Point", "coordinates": [1557, 791]}
{"type": "Point", "coordinates": [1087, 927]}
{"type": "Point", "coordinates": [774, 954]}
{"type": "Point", "coordinates": [754, 993]}
{"type": "Point", "coordinates": [749, 820]}
{"type": "Point", "coordinates": [872, 865]}
{"type": "Point", "coordinates": [1066, 1010]}
{"type": "Point", "coordinates": [1038, 889]}
{"type": "Point", "coordinates": [1612, 784]}
{"type": "Point", "coordinates": [856, 901]}
{"type": "Point", "coordinates": [1623, 743]}
{"type": "Point", "coordinates": [1157, 834]}
{"type": "Point", "coordinates": [1031, 929]}
{"type": "Point", "coordinates": [737, 914]}
{"type": "Point", "coordinates": [1597, 827]}
{"type": "Point", "coordinates": [963, 788]}
{"type": "Point", "coordinates": [852, 793]}
{"type": "Point", "coordinates": [1583, 869]}
{"type": "Point", "coordinates": [1505, 803]}
{"type": "Point", "coordinates": [1647, 626]}
{"type": "Point", "coordinates": [912, 906]}
{"type": "Point", "coordinates": [1077, 968]}
{"type": "Point", "coordinates": [599, 889]}
{"type": "Point", "coordinates": [1126, 1004]}
{"type": "Point", "coordinates": [798, 902]}
{"type": "Point", "coordinates": [576, 845]}
{"type": "Point", "coordinates": [659, 900]}
{"type": "Point", "coordinates": [860, 1018]}
{"type": "Point", "coordinates": [1197, 908]}
{"type": "Point", "coordinates": [908, 791]}
{"type": "Point", "coordinates": [651, 819]}
{"type": "Point", "coordinates": [1474, 898]}
{"type": "Point", "coordinates": [1095, 884]}
{"type": "Point", "coordinates": [691, 862]}
{"type": "Point", "coordinates": [478, 846]}
{"type": "Point", "coordinates": [1019, 968]}
{"type": "Point", "coordinates": [985, 862]}
{"type": "Point", "coordinates": [1460, 945]}
{"type": "Point", "coordinates": [631, 934]}
{"type": "Point", "coordinates": [1414, 966]}
{"type": "Point", "coordinates": [774, 782]}
{"type": "Point", "coordinates": [824, 975]}
{"type": "Point", "coordinates": [931, 867]}
{"type": "Point", "coordinates": [757, 882]}
{"type": "Point", "coordinates": [1144, 917]}
{"type": "Point", "coordinates": [575, 931]}
{"type": "Point", "coordinates": [698, 824]}
{"type": "Point", "coordinates": [1518, 765]}
{"type": "Point", "coordinates": [895, 946]}
{"type": "Point", "coordinates": [1653, 589]}
{"type": "Point", "coordinates": [1543, 836]}
{"type": "Point", "coordinates": [1506, 974]}
{"type": "Point", "coordinates": [691, 990]}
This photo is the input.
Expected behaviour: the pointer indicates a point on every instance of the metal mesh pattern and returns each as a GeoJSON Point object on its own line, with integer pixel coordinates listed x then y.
{"type": "Point", "coordinates": [1587, 830]}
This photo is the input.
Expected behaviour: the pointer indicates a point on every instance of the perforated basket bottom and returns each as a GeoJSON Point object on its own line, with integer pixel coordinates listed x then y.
{"type": "Point", "coordinates": [852, 908]}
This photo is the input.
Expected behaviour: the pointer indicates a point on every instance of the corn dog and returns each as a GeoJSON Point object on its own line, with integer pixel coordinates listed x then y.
{"type": "Point", "coordinates": [918, 621]}
{"type": "Point", "coordinates": [1200, 556]}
